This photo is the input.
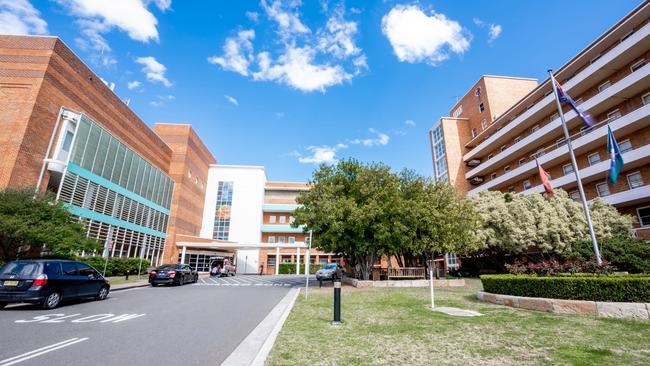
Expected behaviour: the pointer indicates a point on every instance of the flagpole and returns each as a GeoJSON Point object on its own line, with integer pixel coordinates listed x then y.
{"type": "Point", "coordinates": [575, 169]}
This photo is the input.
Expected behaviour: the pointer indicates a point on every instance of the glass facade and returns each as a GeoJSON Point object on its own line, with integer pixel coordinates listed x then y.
{"type": "Point", "coordinates": [440, 162]}
{"type": "Point", "coordinates": [221, 229]}
{"type": "Point", "coordinates": [112, 189]}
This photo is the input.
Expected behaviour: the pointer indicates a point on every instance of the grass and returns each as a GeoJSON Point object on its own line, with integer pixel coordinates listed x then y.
{"type": "Point", "coordinates": [395, 327]}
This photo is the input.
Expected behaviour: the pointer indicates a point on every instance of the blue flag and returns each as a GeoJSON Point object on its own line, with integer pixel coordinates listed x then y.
{"type": "Point", "coordinates": [616, 160]}
{"type": "Point", "coordinates": [565, 98]}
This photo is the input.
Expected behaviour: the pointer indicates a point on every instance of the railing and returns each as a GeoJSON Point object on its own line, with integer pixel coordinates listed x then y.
{"type": "Point", "coordinates": [406, 272]}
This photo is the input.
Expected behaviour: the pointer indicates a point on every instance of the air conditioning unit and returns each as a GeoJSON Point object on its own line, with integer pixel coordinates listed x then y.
{"type": "Point", "coordinates": [473, 162]}
{"type": "Point", "coordinates": [476, 180]}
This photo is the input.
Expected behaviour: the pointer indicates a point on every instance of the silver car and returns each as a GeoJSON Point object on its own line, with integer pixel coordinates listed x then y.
{"type": "Point", "coordinates": [328, 272]}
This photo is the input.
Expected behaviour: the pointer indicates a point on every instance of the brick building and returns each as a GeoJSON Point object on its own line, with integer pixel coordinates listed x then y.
{"type": "Point", "coordinates": [502, 124]}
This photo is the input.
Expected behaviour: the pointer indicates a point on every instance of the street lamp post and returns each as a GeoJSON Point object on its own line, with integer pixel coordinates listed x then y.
{"type": "Point", "coordinates": [311, 234]}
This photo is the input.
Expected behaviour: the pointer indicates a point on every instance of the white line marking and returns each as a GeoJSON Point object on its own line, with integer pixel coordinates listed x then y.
{"type": "Point", "coordinates": [212, 279]}
{"type": "Point", "coordinates": [31, 354]}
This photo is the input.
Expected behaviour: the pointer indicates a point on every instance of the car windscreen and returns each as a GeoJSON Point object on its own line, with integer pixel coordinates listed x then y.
{"type": "Point", "coordinates": [21, 270]}
{"type": "Point", "coordinates": [330, 266]}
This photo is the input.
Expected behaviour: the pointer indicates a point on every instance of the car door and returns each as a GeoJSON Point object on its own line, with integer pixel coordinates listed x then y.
{"type": "Point", "coordinates": [89, 280]}
{"type": "Point", "coordinates": [69, 280]}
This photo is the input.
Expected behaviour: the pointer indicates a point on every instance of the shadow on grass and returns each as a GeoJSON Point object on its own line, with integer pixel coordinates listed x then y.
{"type": "Point", "coordinates": [584, 356]}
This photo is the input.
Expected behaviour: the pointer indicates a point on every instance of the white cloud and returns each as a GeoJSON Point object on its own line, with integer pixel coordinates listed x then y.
{"type": "Point", "coordinates": [307, 61]}
{"type": "Point", "coordinates": [163, 5]}
{"type": "Point", "coordinates": [238, 53]}
{"type": "Point", "coordinates": [231, 100]}
{"type": "Point", "coordinates": [409, 122]}
{"type": "Point", "coordinates": [161, 99]}
{"type": "Point", "coordinates": [19, 17]}
{"type": "Point", "coordinates": [133, 85]}
{"type": "Point", "coordinates": [381, 139]}
{"type": "Point", "coordinates": [418, 37]}
{"type": "Point", "coordinates": [494, 32]}
{"type": "Point", "coordinates": [156, 103]}
{"type": "Point", "coordinates": [253, 16]}
{"type": "Point", "coordinates": [154, 70]}
{"type": "Point", "coordinates": [319, 155]}
{"type": "Point", "coordinates": [166, 97]}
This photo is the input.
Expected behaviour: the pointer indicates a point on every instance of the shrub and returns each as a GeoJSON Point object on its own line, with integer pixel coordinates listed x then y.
{"type": "Point", "coordinates": [619, 288]}
{"type": "Point", "coordinates": [552, 267]}
{"type": "Point", "coordinates": [624, 253]}
{"type": "Point", "coordinates": [290, 268]}
{"type": "Point", "coordinates": [117, 266]}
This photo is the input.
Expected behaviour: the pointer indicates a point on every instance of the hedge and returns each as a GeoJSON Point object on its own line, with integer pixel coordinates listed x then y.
{"type": "Point", "coordinates": [617, 288]}
{"type": "Point", "coordinates": [290, 268]}
{"type": "Point", "coordinates": [117, 266]}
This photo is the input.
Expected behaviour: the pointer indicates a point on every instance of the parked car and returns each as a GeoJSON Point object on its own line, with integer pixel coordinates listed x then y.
{"type": "Point", "coordinates": [173, 274]}
{"type": "Point", "coordinates": [328, 272]}
{"type": "Point", "coordinates": [49, 281]}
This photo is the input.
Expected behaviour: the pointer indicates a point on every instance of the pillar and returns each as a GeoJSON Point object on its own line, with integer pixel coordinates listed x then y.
{"type": "Point", "coordinates": [277, 260]}
{"type": "Point", "coordinates": [307, 262]}
{"type": "Point", "coordinates": [183, 254]}
{"type": "Point", "coordinates": [297, 261]}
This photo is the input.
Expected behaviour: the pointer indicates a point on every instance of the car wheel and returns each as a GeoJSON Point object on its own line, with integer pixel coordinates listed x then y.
{"type": "Point", "coordinates": [2, 305]}
{"type": "Point", "coordinates": [181, 282]}
{"type": "Point", "coordinates": [154, 285]}
{"type": "Point", "coordinates": [52, 300]}
{"type": "Point", "coordinates": [102, 294]}
{"type": "Point", "coordinates": [196, 278]}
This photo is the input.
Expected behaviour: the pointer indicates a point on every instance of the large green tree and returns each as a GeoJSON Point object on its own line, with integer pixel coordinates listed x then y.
{"type": "Point", "coordinates": [34, 224]}
{"type": "Point", "coordinates": [516, 223]}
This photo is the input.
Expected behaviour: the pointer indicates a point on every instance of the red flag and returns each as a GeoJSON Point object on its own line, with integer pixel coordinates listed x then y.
{"type": "Point", "coordinates": [544, 176]}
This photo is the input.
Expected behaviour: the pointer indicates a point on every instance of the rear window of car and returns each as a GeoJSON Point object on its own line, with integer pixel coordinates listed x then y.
{"type": "Point", "coordinates": [21, 269]}
{"type": "Point", "coordinates": [167, 267]}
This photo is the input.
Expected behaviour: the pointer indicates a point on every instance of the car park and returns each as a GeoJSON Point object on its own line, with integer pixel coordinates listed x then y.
{"type": "Point", "coordinates": [173, 274]}
{"type": "Point", "coordinates": [48, 282]}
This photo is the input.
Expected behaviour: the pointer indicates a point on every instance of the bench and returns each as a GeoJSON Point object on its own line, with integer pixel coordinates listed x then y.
{"type": "Point", "coordinates": [406, 273]}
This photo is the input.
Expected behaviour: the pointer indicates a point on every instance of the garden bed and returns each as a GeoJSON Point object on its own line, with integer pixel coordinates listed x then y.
{"type": "Point", "coordinates": [403, 283]}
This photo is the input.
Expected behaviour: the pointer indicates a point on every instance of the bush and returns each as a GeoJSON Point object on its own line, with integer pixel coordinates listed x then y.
{"type": "Point", "coordinates": [624, 253]}
{"type": "Point", "coordinates": [618, 288]}
{"type": "Point", "coordinates": [553, 267]}
{"type": "Point", "coordinates": [290, 268]}
{"type": "Point", "coordinates": [117, 266]}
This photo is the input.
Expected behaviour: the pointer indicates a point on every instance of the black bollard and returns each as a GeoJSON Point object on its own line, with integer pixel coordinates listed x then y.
{"type": "Point", "coordinates": [127, 275]}
{"type": "Point", "coordinates": [337, 303]}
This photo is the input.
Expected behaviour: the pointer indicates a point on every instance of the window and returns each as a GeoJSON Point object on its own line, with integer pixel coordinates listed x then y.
{"type": "Point", "coordinates": [87, 271]}
{"type": "Point", "coordinates": [490, 156]}
{"type": "Point", "coordinates": [613, 115]}
{"type": "Point", "coordinates": [292, 239]}
{"type": "Point", "coordinates": [452, 260]}
{"type": "Point", "coordinates": [481, 107]}
{"type": "Point", "coordinates": [534, 129]}
{"type": "Point", "coordinates": [270, 261]}
{"type": "Point", "coordinates": [554, 117]}
{"type": "Point", "coordinates": [506, 168]}
{"type": "Point", "coordinates": [286, 259]}
{"type": "Point", "coordinates": [567, 169]}
{"type": "Point", "coordinates": [527, 185]}
{"type": "Point", "coordinates": [595, 58]}
{"type": "Point", "coordinates": [646, 99]}
{"type": "Point", "coordinates": [627, 35]}
{"type": "Point", "coordinates": [593, 158]}
{"type": "Point", "coordinates": [625, 146]}
{"type": "Point", "coordinates": [69, 268]}
{"type": "Point", "coordinates": [473, 132]}
{"type": "Point", "coordinates": [511, 189]}
{"type": "Point", "coordinates": [271, 239]}
{"type": "Point", "coordinates": [574, 195]}
{"type": "Point", "coordinates": [602, 189]}
{"type": "Point", "coordinates": [291, 219]}
{"type": "Point", "coordinates": [560, 141]}
{"type": "Point", "coordinates": [522, 161]}
{"type": "Point", "coordinates": [540, 153]}
{"type": "Point", "coordinates": [637, 65]}
{"type": "Point", "coordinates": [483, 124]}
{"type": "Point", "coordinates": [322, 260]}
{"type": "Point", "coordinates": [493, 176]}
{"type": "Point", "coordinates": [221, 229]}
{"type": "Point", "coordinates": [458, 111]}
{"type": "Point", "coordinates": [644, 215]}
{"type": "Point", "coordinates": [604, 86]}
{"type": "Point", "coordinates": [634, 180]}
{"type": "Point", "coordinates": [503, 147]}
{"type": "Point", "coordinates": [584, 130]}
{"type": "Point", "coordinates": [281, 239]}
{"type": "Point", "coordinates": [517, 139]}
{"type": "Point", "coordinates": [579, 101]}
{"type": "Point", "coordinates": [189, 173]}
{"type": "Point", "coordinates": [272, 219]}
{"type": "Point", "coordinates": [283, 219]}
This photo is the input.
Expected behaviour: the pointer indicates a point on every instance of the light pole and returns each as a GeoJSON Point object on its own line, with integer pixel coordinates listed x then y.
{"type": "Point", "coordinates": [431, 283]}
{"type": "Point", "coordinates": [311, 234]}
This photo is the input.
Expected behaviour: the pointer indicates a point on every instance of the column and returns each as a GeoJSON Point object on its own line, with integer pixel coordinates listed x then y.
{"type": "Point", "coordinates": [297, 261]}
{"type": "Point", "coordinates": [307, 262]}
{"type": "Point", "coordinates": [183, 254]}
{"type": "Point", "coordinates": [277, 260]}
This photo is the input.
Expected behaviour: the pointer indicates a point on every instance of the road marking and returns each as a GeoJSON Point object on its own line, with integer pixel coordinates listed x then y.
{"type": "Point", "coordinates": [212, 279]}
{"type": "Point", "coordinates": [59, 318]}
{"type": "Point", "coordinates": [41, 351]}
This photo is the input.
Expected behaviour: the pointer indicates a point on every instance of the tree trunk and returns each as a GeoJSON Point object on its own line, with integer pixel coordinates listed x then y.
{"type": "Point", "coordinates": [366, 262]}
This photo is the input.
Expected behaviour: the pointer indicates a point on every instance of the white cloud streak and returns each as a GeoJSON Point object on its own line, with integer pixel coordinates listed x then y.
{"type": "Point", "coordinates": [19, 17]}
{"type": "Point", "coordinates": [409, 122]}
{"type": "Point", "coordinates": [232, 100]}
{"type": "Point", "coordinates": [417, 37]}
{"type": "Point", "coordinates": [494, 32]}
{"type": "Point", "coordinates": [154, 70]}
{"type": "Point", "coordinates": [380, 139]}
{"type": "Point", "coordinates": [133, 85]}
{"type": "Point", "coordinates": [237, 53]}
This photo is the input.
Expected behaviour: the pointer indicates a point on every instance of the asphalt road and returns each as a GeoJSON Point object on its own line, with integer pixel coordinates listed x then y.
{"type": "Point", "coordinates": [196, 324]}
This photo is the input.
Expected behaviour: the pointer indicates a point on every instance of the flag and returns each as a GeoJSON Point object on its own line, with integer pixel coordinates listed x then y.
{"type": "Point", "coordinates": [615, 158]}
{"type": "Point", "coordinates": [566, 99]}
{"type": "Point", "coordinates": [544, 176]}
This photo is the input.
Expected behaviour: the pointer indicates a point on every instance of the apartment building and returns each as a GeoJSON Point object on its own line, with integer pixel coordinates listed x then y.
{"type": "Point", "coordinates": [475, 150]}
{"type": "Point", "coordinates": [65, 131]}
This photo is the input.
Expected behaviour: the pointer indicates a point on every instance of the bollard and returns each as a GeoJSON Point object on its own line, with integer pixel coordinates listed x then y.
{"type": "Point", "coordinates": [337, 303]}
{"type": "Point", "coordinates": [127, 275]}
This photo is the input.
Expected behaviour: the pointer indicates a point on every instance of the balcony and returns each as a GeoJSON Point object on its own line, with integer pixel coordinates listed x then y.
{"type": "Point", "coordinates": [266, 228]}
{"type": "Point", "coordinates": [624, 125]}
{"type": "Point", "coordinates": [271, 207]}
{"type": "Point", "coordinates": [608, 98]}
{"type": "Point", "coordinates": [615, 59]}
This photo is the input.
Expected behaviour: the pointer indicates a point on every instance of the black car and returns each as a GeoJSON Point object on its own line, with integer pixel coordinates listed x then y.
{"type": "Point", "coordinates": [173, 274]}
{"type": "Point", "coordinates": [48, 282]}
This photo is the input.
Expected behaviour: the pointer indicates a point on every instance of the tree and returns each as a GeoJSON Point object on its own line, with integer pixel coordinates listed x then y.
{"type": "Point", "coordinates": [37, 224]}
{"type": "Point", "coordinates": [625, 253]}
{"type": "Point", "coordinates": [516, 223]}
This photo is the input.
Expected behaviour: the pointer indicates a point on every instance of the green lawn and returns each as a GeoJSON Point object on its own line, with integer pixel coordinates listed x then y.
{"type": "Point", "coordinates": [395, 327]}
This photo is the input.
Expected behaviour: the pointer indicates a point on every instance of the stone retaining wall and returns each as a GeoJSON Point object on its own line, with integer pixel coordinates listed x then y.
{"type": "Point", "coordinates": [630, 310]}
{"type": "Point", "coordinates": [403, 283]}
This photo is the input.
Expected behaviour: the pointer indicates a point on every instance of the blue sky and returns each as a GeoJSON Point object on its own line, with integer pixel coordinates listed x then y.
{"type": "Point", "coordinates": [290, 84]}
